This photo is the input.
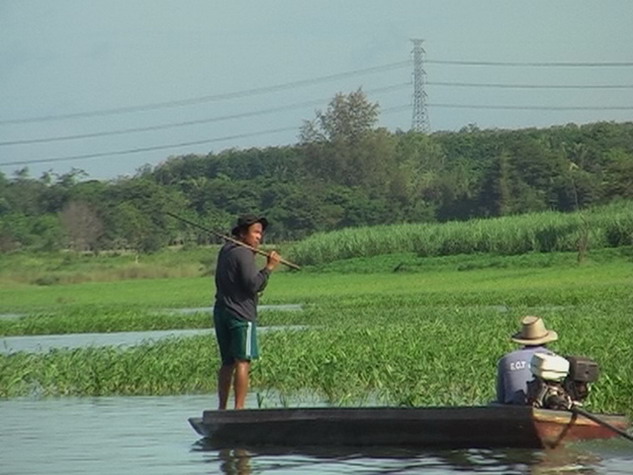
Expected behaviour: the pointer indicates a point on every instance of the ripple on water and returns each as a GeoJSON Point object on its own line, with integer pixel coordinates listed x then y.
{"type": "Point", "coordinates": [150, 435]}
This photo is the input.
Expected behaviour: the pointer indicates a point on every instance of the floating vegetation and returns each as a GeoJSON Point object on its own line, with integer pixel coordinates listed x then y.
{"type": "Point", "coordinates": [410, 355]}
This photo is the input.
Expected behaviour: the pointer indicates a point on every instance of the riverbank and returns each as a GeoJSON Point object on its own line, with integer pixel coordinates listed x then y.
{"type": "Point", "coordinates": [428, 336]}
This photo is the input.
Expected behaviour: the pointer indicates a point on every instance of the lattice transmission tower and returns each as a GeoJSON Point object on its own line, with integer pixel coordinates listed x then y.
{"type": "Point", "coordinates": [420, 119]}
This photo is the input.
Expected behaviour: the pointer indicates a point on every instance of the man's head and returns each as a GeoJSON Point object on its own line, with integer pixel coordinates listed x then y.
{"type": "Point", "coordinates": [533, 332]}
{"type": "Point", "coordinates": [250, 229]}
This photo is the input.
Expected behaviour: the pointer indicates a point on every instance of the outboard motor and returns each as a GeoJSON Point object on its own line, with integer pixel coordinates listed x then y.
{"type": "Point", "coordinates": [560, 383]}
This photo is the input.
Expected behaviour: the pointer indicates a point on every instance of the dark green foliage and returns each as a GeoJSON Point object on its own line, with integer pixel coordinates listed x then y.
{"type": "Point", "coordinates": [344, 172]}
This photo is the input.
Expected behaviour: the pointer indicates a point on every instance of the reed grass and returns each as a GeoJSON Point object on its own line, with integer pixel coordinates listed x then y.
{"type": "Point", "coordinates": [102, 319]}
{"type": "Point", "coordinates": [430, 355]}
{"type": "Point", "coordinates": [171, 366]}
{"type": "Point", "coordinates": [397, 356]}
{"type": "Point", "coordinates": [608, 226]}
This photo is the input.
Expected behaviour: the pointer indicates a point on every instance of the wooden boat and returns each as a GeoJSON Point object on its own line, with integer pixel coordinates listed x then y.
{"type": "Point", "coordinates": [443, 427]}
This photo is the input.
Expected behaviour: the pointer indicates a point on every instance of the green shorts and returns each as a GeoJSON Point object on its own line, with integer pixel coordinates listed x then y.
{"type": "Point", "coordinates": [237, 338]}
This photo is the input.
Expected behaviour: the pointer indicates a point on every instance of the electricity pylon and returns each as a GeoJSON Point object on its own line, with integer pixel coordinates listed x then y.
{"type": "Point", "coordinates": [420, 119]}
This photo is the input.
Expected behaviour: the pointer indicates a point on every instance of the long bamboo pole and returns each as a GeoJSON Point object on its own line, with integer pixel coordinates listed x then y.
{"type": "Point", "coordinates": [230, 239]}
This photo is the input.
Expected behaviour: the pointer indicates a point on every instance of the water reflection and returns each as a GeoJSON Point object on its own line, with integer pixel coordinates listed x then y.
{"type": "Point", "coordinates": [235, 461]}
{"type": "Point", "coordinates": [150, 435]}
{"type": "Point", "coordinates": [561, 459]}
{"type": "Point", "coordinates": [45, 343]}
{"type": "Point", "coordinates": [384, 460]}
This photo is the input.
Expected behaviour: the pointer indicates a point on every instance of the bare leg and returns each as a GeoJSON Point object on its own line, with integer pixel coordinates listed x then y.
{"type": "Point", "coordinates": [225, 374]}
{"type": "Point", "coordinates": [242, 368]}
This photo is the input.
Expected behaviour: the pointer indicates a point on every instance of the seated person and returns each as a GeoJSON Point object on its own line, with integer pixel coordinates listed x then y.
{"type": "Point", "coordinates": [513, 369]}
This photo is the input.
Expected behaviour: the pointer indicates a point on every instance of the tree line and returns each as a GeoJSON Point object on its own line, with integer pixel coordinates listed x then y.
{"type": "Point", "coordinates": [344, 171]}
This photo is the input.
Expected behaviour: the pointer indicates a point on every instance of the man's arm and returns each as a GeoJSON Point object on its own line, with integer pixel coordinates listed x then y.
{"type": "Point", "coordinates": [251, 279]}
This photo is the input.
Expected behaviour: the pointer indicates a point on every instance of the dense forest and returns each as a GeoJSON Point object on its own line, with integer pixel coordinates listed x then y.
{"type": "Point", "coordinates": [345, 171]}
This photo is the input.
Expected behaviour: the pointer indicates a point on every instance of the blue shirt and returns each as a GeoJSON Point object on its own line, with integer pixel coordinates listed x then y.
{"type": "Point", "coordinates": [513, 374]}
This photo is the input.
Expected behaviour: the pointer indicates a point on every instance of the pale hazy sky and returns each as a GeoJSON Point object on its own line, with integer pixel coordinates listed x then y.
{"type": "Point", "coordinates": [248, 73]}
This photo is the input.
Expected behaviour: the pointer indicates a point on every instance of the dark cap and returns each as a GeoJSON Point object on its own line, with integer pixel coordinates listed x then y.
{"type": "Point", "coordinates": [243, 222]}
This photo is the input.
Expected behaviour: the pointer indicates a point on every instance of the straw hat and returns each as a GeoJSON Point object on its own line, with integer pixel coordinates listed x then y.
{"type": "Point", "coordinates": [533, 332]}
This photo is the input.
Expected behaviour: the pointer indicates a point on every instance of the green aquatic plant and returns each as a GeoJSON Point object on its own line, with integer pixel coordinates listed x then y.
{"type": "Point", "coordinates": [371, 351]}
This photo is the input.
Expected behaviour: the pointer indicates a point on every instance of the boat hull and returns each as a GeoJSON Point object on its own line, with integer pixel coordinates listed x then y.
{"type": "Point", "coordinates": [446, 427]}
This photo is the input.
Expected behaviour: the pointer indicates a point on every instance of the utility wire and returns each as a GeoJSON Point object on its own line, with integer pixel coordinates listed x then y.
{"type": "Point", "coordinates": [210, 98]}
{"type": "Point", "coordinates": [532, 86]}
{"type": "Point", "coordinates": [549, 108]}
{"type": "Point", "coordinates": [532, 64]}
{"type": "Point", "coordinates": [157, 127]}
{"type": "Point", "coordinates": [286, 129]}
{"type": "Point", "coordinates": [185, 123]}
{"type": "Point", "coordinates": [145, 149]}
{"type": "Point", "coordinates": [475, 106]}
{"type": "Point", "coordinates": [317, 102]}
{"type": "Point", "coordinates": [300, 83]}
{"type": "Point", "coordinates": [511, 107]}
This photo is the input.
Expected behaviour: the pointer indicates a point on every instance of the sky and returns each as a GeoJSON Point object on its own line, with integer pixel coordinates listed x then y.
{"type": "Point", "coordinates": [110, 86]}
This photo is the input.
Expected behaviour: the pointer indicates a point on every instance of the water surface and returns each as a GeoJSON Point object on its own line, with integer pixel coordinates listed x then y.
{"type": "Point", "coordinates": [151, 435]}
{"type": "Point", "coordinates": [290, 307]}
{"type": "Point", "coordinates": [45, 343]}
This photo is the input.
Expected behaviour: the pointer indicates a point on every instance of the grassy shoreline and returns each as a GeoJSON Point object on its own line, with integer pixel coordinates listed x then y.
{"type": "Point", "coordinates": [409, 356]}
{"type": "Point", "coordinates": [403, 273]}
{"type": "Point", "coordinates": [426, 332]}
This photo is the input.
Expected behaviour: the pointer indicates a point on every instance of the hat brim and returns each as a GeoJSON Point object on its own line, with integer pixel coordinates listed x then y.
{"type": "Point", "coordinates": [263, 221]}
{"type": "Point", "coordinates": [549, 336]}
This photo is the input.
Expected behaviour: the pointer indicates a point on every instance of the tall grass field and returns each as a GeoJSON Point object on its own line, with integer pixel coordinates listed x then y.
{"type": "Point", "coordinates": [396, 325]}
{"type": "Point", "coordinates": [608, 226]}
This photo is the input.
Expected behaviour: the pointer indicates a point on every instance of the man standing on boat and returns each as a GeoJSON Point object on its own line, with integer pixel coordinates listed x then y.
{"type": "Point", "coordinates": [513, 369]}
{"type": "Point", "coordinates": [238, 282]}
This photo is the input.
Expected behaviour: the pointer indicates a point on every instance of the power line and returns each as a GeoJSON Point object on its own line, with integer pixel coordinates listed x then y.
{"type": "Point", "coordinates": [153, 128]}
{"type": "Point", "coordinates": [209, 98]}
{"type": "Point", "coordinates": [289, 85]}
{"type": "Point", "coordinates": [533, 64]}
{"type": "Point", "coordinates": [511, 107]}
{"type": "Point", "coordinates": [532, 86]}
{"type": "Point", "coordinates": [286, 129]}
{"type": "Point", "coordinates": [261, 90]}
{"type": "Point", "coordinates": [145, 149]}
{"type": "Point", "coordinates": [172, 125]}
{"type": "Point", "coordinates": [552, 108]}
{"type": "Point", "coordinates": [317, 102]}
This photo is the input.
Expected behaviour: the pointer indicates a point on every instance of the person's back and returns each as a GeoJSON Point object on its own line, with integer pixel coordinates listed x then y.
{"type": "Point", "coordinates": [513, 369]}
{"type": "Point", "coordinates": [514, 373]}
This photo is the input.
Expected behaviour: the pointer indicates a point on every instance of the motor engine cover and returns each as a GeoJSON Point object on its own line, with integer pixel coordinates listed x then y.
{"type": "Point", "coordinates": [583, 369]}
{"type": "Point", "coordinates": [549, 367]}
